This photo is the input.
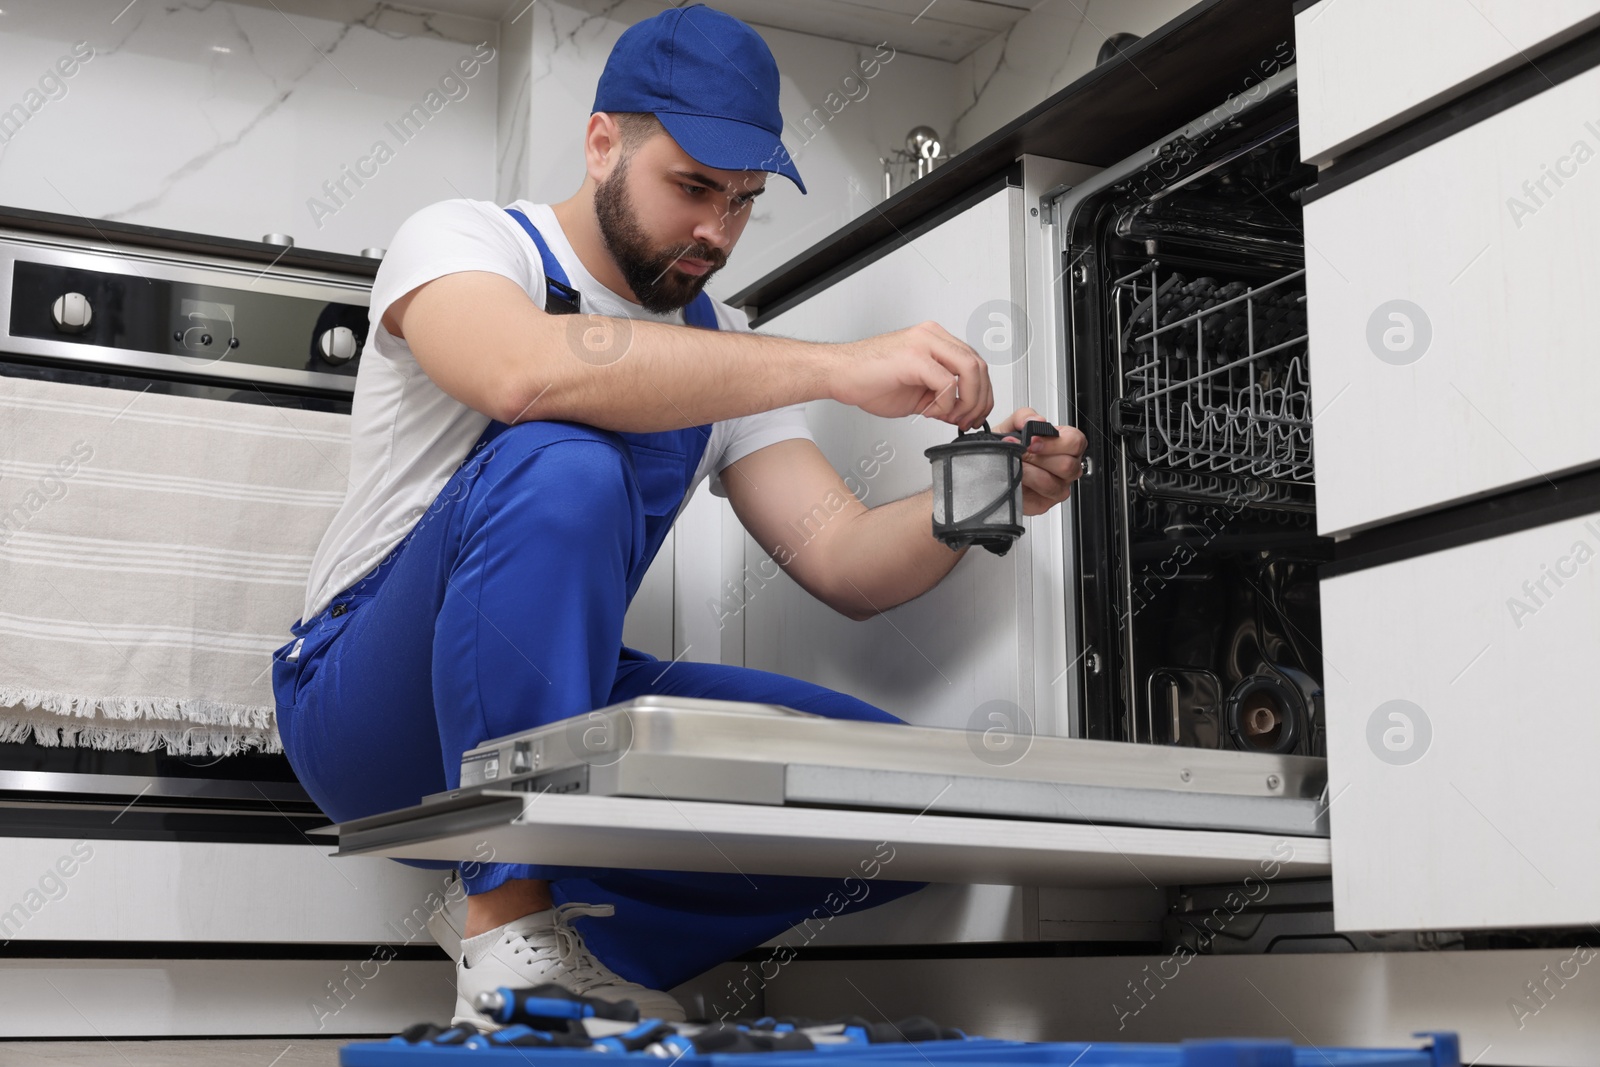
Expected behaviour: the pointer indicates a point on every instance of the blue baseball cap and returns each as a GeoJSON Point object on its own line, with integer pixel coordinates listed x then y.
{"type": "Point", "coordinates": [711, 81]}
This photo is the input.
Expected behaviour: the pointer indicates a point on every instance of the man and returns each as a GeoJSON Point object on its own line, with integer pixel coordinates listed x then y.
{"type": "Point", "coordinates": [513, 471]}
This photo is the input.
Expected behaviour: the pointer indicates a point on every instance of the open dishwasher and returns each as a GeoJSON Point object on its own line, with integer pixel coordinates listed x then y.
{"type": "Point", "coordinates": [1196, 543]}
{"type": "Point", "coordinates": [1196, 751]}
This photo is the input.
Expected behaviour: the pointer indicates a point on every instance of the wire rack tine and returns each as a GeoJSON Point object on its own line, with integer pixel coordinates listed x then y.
{"type": "Point", "coordinates": [1209, 406]}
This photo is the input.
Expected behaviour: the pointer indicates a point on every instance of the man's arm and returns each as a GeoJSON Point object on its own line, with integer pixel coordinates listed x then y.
{"type": "Point", "coordinates": [482, 340]}
{"type": "Point", "coordinates": [858, 560]}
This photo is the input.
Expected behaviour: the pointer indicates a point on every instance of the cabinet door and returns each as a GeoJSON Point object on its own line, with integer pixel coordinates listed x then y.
{"type": "Point", "coordinates": [961, 649]}
{"type": "Point", "coordinates": [650, 624]}
{"type": "Point", "coordinates": [1449, 314]}
{"type": "Point", "coordinates": [1462, 731]}
{"type": "Point", "coordinates": [1367, 66]}
{"type": "Point", "coordinates": [216, 891]}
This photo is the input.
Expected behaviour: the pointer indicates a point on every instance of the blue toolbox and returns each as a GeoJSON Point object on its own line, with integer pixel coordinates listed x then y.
{"type": "Point", "coordinates": [546, 1026]}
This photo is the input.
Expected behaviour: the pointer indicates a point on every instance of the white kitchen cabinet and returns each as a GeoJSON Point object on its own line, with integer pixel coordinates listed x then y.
{"type": "Point", "coordinates": [1453, 351]}
{"type": "Point", "coordinates": [103, 1002]}
{"type": "Point", "coordinates": [650, 622]}
{"type": "Point", "coordinates": [1452, 363]}
{"type": "Point", "coordinates": [192, 891]}
{"type": "Point", "coordinates": [1462, 727]}
{"type": "Point", "coordinates": [1368, 66]}
{"type": "Point", "coordinates": [939, 659]}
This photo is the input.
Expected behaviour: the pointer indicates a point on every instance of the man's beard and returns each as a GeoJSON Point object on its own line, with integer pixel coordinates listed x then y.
{"type": "Point", "coordinates": [649, 273]}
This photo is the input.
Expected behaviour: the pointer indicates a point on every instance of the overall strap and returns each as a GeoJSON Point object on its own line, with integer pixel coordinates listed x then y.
{"type": "Point", "coordinates": [562, 299]}
{"type": "Point", "coordinates": [559, 298]}
{"type": "Point", "coordinates": [700, 312]}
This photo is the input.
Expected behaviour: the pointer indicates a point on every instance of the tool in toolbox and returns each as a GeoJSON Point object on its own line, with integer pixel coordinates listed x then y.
{"type": "Point", "coordinates": [548, 1026]}
{"type": "Point", "coordinates": [551, 1017]}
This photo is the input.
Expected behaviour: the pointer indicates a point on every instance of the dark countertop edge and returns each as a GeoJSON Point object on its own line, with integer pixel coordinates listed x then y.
{"type": "Point", "coordinates": [1199, 32]}
{"type": "Point", "coordinates": [122, 233]}
{"type": "Point", "coordinates": [1303, 5]}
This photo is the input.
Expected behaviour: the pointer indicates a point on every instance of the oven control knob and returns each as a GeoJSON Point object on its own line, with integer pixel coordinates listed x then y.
{"type": "Point", "coordinates": [72, 313]}
{"type": "Point", "coordinates": [337, 345]}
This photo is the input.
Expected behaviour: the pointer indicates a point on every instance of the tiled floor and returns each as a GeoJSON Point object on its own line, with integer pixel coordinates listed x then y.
{"type": "Point", "coordinates": [201, 1052]}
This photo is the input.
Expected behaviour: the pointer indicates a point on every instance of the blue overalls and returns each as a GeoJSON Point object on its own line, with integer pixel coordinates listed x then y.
{"type": "Point", "coordinates": [501, 610]}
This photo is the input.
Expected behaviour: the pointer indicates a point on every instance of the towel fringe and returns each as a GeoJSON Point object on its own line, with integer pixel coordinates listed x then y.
{"type": "Point", "coordinates": [250, 716]}
{"type": "Point", "coordinates": [192, 742]}
{"type": "Point", "coordinates": [199, 728]}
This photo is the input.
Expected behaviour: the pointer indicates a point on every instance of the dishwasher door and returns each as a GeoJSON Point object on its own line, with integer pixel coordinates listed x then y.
{"type": "Point", "coordinates": [665, 834]}
{"type": "Point", "coordinates": [690, 784]}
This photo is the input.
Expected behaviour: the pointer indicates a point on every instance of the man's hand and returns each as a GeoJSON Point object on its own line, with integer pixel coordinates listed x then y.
{"type": "Point", "coordinates": [922, 370]}
{"type": "Point", "coordinates": [1050, 465]}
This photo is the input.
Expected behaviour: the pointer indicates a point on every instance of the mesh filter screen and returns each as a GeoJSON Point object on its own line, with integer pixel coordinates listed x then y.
{"type": "Point", "coordinates": [980, 478]}
{"type": "Point", "coordinates": [941, 470]}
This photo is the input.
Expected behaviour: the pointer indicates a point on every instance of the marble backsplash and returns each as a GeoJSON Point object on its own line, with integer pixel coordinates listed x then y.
{"type": "Point", "coordinates": [328, 121]}
{"type": "Point", "coordinates": [334, 121]}
{"type": "Point", "coordinates": [1048, 49]}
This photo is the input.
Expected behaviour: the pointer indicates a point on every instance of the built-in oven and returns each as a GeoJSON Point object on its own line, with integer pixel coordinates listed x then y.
{"type": "Point", "coordinates": [158, 312]}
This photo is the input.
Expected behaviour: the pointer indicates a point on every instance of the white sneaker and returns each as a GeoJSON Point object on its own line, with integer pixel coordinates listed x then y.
{"type": "Point", "coordinates": [543, 947]}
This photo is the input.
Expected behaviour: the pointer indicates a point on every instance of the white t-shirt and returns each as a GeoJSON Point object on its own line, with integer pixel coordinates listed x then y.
{"type": "Point", "coordinates": [408, 436]}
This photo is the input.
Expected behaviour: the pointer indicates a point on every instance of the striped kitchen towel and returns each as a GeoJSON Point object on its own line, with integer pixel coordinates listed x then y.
{"type": "Point", "coordinates": [154, 551]}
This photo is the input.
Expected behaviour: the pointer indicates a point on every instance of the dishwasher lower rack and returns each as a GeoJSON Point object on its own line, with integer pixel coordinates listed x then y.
{"type": "Point", "coordinates": [1215, 393]}
{"type": "Point", "coordinates": [672, 783]}
{"type": "Point", "coordinates": [698, 749]}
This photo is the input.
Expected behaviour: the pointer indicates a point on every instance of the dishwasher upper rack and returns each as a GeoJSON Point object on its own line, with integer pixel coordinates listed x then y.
{"type": "Point", "coordinates": [1218, 399]}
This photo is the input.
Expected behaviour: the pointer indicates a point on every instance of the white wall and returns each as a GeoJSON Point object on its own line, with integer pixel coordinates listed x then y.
{"type": "Point", "coordinates": [566, 43]}
{"type": "Point", "coordinates": [227, 118]}
{"type": "Point", "coordinates": [1048, 49]}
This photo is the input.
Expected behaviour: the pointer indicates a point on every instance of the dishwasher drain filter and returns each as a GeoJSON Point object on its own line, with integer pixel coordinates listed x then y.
{"type": "Point", "coordinates": [977, 479]}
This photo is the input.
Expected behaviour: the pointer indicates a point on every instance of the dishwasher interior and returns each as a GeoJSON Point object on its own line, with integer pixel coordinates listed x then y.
{"type": "Point", "coordinates": [1196, 546]}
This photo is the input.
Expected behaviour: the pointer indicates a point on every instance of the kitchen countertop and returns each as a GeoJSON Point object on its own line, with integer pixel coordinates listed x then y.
{"type": "Point", "coordinates": [1215, 49]}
